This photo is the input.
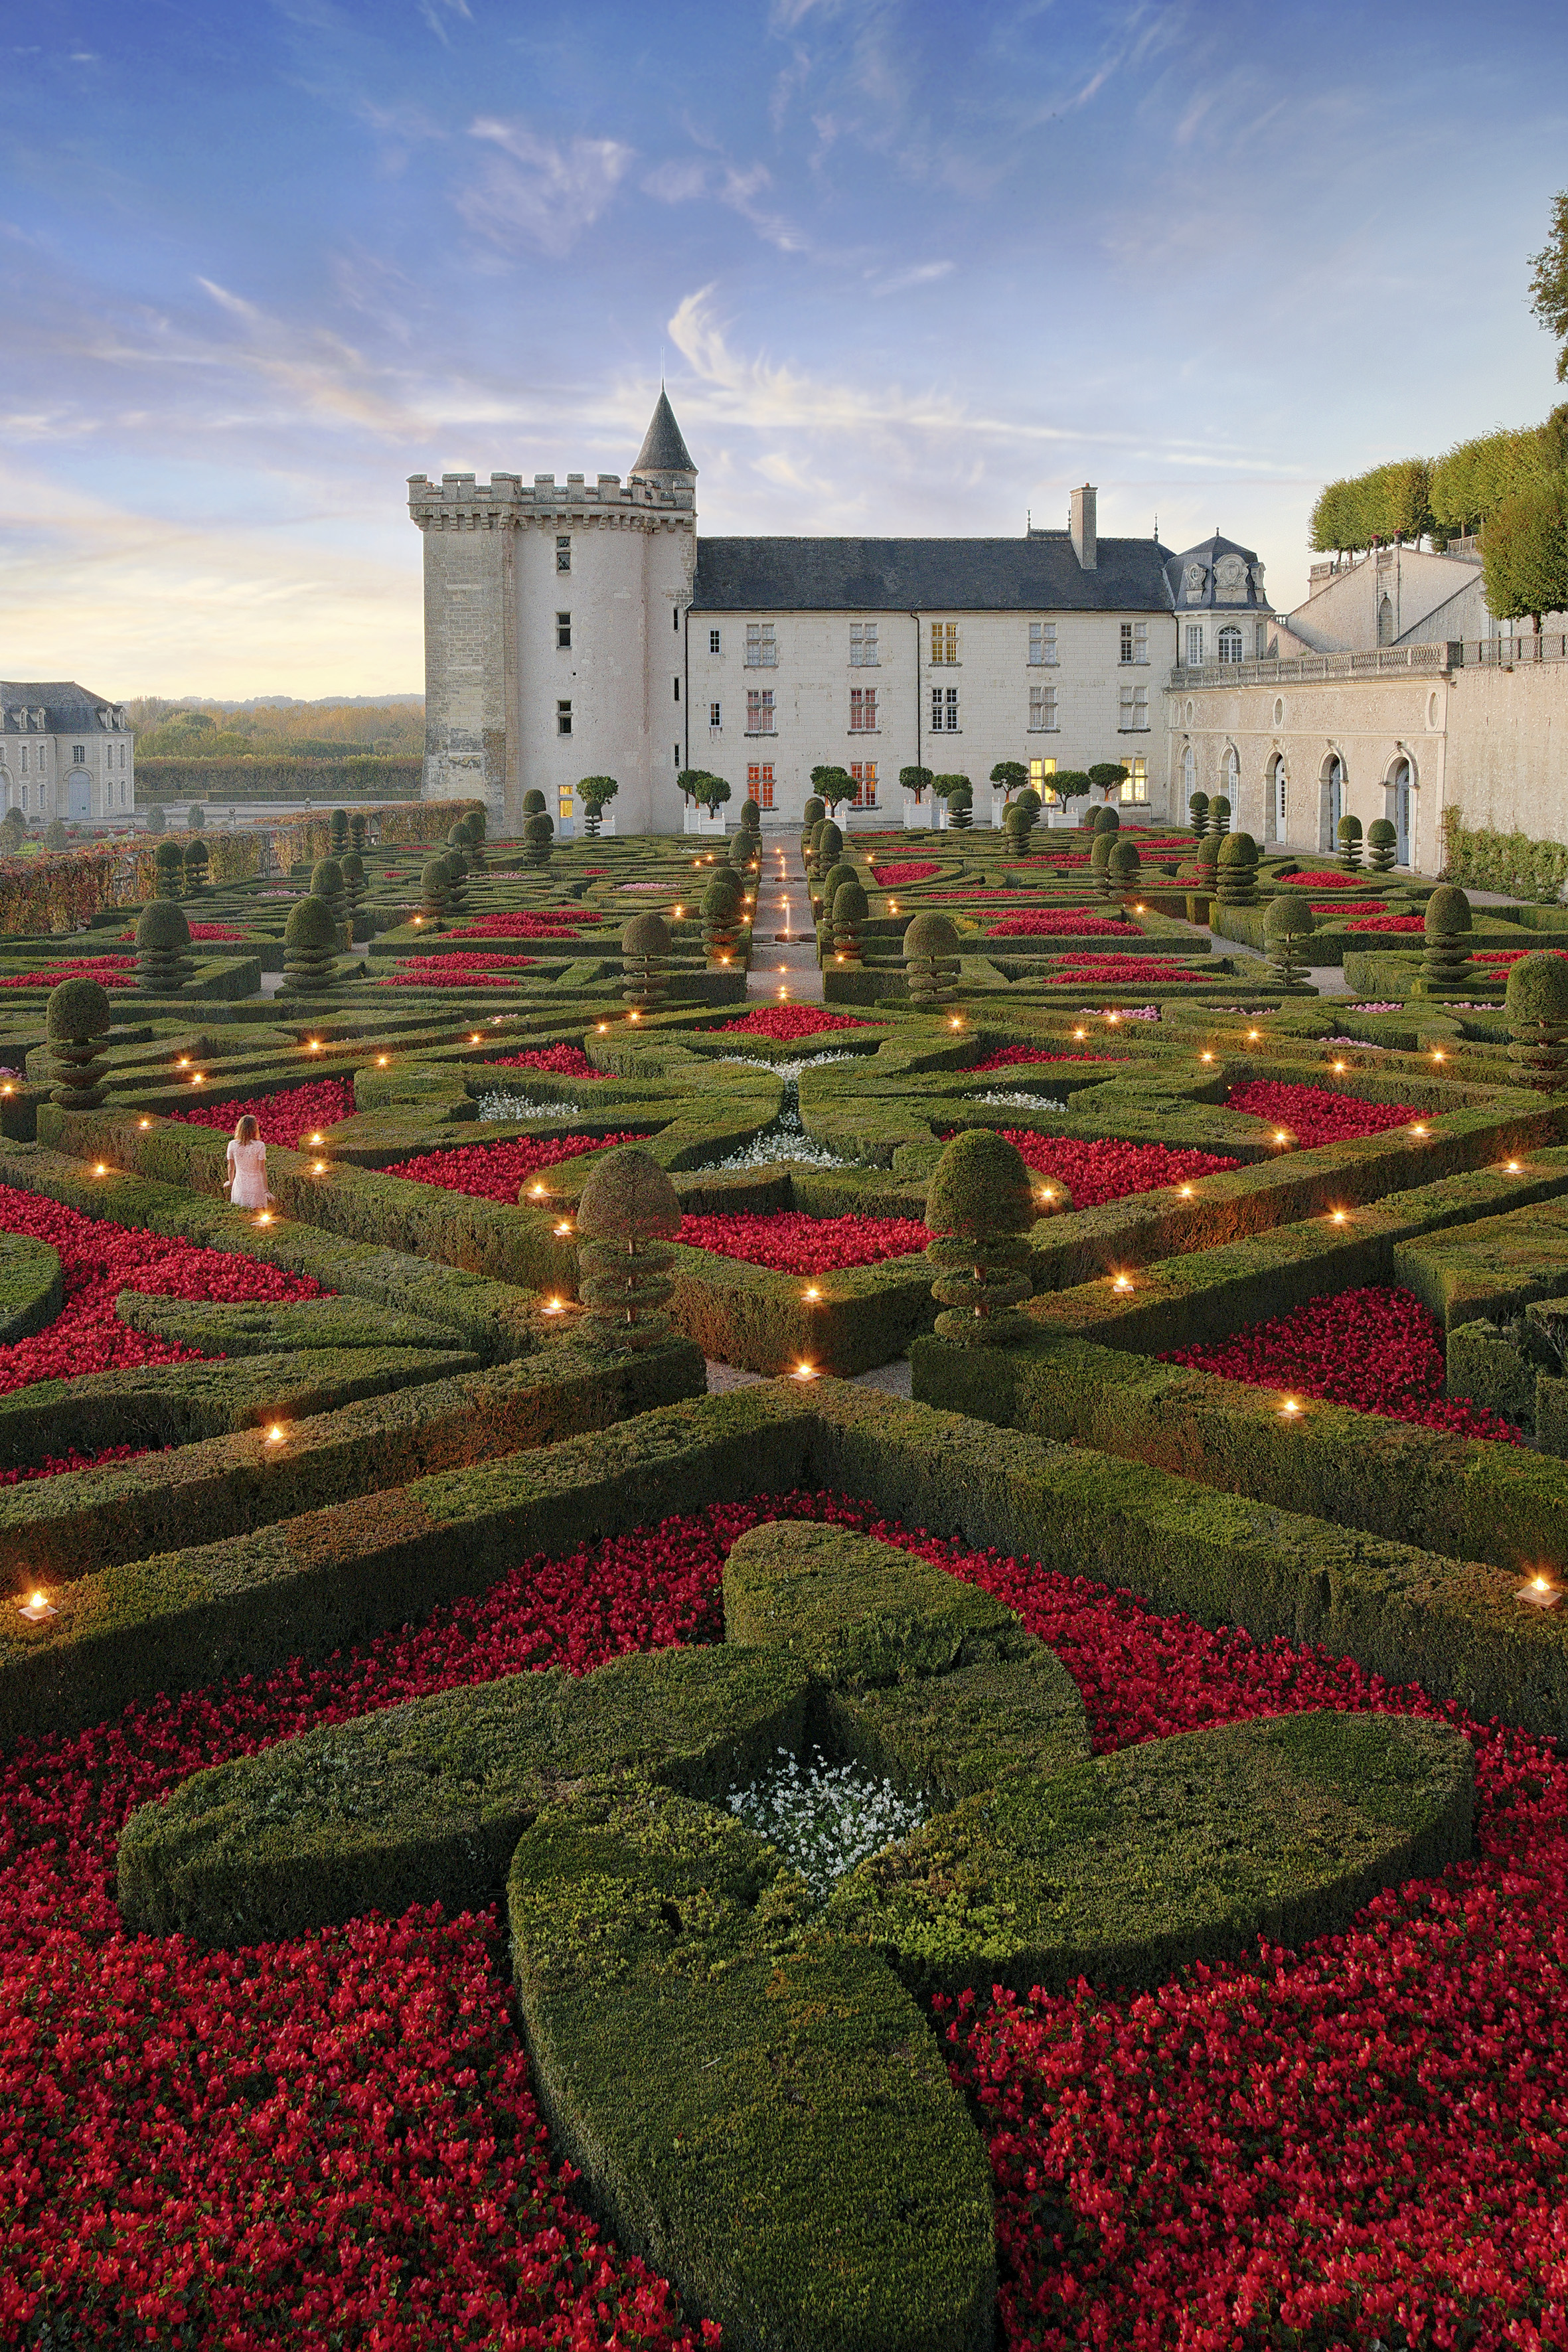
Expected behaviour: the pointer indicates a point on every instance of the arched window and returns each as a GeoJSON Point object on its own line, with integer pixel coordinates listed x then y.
{"type": "Point", "coordinates": [1276, 794]}
{"type": "Point", "coordinates": [1232, 771]}
{"type": "Point", "coordinates": [1384, 622]}
{"type": "Point", "coordinates": [1230, 644]}
{"type": "Point", "coordinates": [1189, 775]}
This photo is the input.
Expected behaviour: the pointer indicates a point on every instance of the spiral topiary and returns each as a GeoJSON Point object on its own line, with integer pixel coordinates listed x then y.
{"type": "Point", "coordinates": [1537, 1004]}
{"type": "Point", "coordinates": [537, 838]}
{"type": "Point", "coordinates": [1235, 871]}
{"type": "Point", "coordinates": [1198, 813]}
{"type": "Point", "coordinates": [1122, 869]}
{"type": "Point", "coordinates": [434, 889]}
{"type": "Point", "coordinates": [847, 910]}
{"type": "Point", "coordinates": [1219, 817]}
{"type": "Point", "coordinates": [1019, 828]}
{"type": "Point", "coordinates": [979, 1211]}
{"type": "Point", "coordinates": [961, 804]}
{"type": "Point", "coordinates": [327, 885]}
{"type": "Point", "coordinates": [1288, 922]}
{"type": "Point", "coordinates": [359, 833]}
{"type": "Point", "coordinates": [627, 1214]}
{"type": "Point", "coordinates": [645, 953]}
{"type": "Point", "coordinates": [168, 870]}
{"type": "Point", "coordinates": [352, 865]}
{"type": "Point", "coordinates": [338, 831]}
{"type": "Point", "coordinates": [195, 866]}
{"type": "Point", "coordinates": [311, 938]}
{"type": "Point", "coordinates": [77, 1017]}
{"type": "Point", "coordinates": [931, 961]}
{"type": "Point", "coordinates": [723, 913]}
{"type": "Point", "coordinates": [1382, 845]}
{"type": "Point", "coordinates": [1446, 966]}
{"type": "Point", "coordinates": [162, 949]}
{"type": "Point", "coordinates": [1350, 843]}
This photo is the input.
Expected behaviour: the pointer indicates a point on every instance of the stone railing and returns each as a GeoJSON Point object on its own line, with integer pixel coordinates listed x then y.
{"type": "Point", "coordinates": [1382, 661]}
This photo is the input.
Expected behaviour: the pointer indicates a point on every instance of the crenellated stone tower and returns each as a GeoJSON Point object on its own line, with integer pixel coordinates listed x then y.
{"type": "Point", "coordinates": [553, 631]}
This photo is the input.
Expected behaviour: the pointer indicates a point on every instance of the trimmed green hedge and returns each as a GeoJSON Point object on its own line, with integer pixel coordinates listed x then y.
{"type": "Point", "coordinates": [30, 1290]}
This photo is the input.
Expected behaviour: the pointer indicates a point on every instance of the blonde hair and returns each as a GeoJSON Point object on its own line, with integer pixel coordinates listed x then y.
{"type": "Point", "coordinates": [246, 1128]}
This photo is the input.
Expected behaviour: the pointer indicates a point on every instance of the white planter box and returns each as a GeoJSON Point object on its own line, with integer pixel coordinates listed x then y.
{"type": "Point", "coordinates": [917, 814]}
{"type": "Point", "coordinates": [698, 821]}
{"type": "Point", "coordinates": [606, 827]}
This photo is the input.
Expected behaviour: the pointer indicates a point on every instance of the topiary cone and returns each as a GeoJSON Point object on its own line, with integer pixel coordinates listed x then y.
{"type": "Point", "coordinates": [310, 943]}
{"type": "Point", "coordinates": [931, 960]}
{"type": "Point", "coordinates": [979, 1211]}
{"type": "Point", "coordinates": [1537, 1007]}
{"type": "Point", "coordinates": [628, 1213]}
{"type": "Point", "coordinates": [162, 949]}
{"type": "Point", "coordinates": [77, 1017]}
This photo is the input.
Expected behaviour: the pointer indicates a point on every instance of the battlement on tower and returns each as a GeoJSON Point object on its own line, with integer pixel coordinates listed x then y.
{"type": "Point", "coordinates": [459, 502]}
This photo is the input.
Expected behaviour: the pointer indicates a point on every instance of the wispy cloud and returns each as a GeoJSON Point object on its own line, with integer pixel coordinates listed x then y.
{"type": "Point", "coordinates": [690, 179]}
{"type": "Point", "coordinates": [541, 192]}
{"type": "Point", "coordinates": [432, 13]}
{"type": "Point", "coordinates": [923, 273]}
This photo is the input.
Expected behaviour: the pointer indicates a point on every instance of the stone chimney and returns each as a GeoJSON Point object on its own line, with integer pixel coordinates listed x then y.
{"type": "Point", "coordinates": [1085, 538]}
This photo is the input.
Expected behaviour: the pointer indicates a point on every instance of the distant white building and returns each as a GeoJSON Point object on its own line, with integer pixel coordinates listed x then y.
{"type": "Point", "coordinates": [585, 628]}
{"type": "Point", "coordinates": [64, 753]}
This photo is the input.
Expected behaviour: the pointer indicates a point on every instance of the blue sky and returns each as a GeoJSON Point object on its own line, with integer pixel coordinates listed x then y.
{"type": "Point", "coordinates": [906, 269]}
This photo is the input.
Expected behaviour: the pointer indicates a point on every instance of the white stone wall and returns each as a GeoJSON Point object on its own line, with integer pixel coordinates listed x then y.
{"type": "Point", "coordinates": [813, 678]}
{"type": "Point", "coordinates": [1507, 748]}
{"type": "Point", "coordinates": [468, 599]}
{"type": "Point", "coordinates": [41, 783]}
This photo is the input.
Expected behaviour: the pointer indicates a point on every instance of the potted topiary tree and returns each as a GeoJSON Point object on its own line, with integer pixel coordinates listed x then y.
{"type": "Point", "coordinates": [980, 1209]}
{"type": "Point", "coordinates": [914, 782]}
{"type": "Point", "coordinates": [1537, 1005]}
{"type": "Point", "coordinates": [931, 961]}
{"type": "Point", "coordinates": [162, 949]}
{"type": "Point", "coordinates": [76, 1019]}
{"type": "Point", "coordinates": [1289, 921]}
{"type": "Point", "coordinates": [1108, 776]}
{"type": "Point", "coordinates": [310, 941]}
{"type": "Point", "coordinates": [644, 961]}
{"type": "Point", "coordinates": [627, 1214]}
{"type": "Point", "coordinates": [1446, 966]}
{"type": "Point", "coordinates": [834, 785]}
{"type": "Point", "coordinates": [1350, 843]}
{"type": "Point", "coordinates": [596, 792]}
{"type": "Point", "coordinates": [1382, 845]}
{"type": "Point", "coordinates": [710, 793]}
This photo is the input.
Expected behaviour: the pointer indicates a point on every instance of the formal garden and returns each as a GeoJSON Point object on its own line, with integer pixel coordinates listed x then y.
{"type": "Point", "coordinates": [832, 1622]}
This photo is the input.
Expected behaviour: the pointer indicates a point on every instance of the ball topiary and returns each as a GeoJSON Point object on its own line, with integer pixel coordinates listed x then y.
{"type": "Point", "coordinates": [979, 1210]}
{"type": "Point", "coordinates": [77, 1015]}
{"type": "Point", "coordinates": [1106, 820]}
{"type": "Point", "coordinates": [1446, 966]}
{"type": "Point", "coordinates": [1537, 1006]}
{"type": "Point", "coordinates": [162, 949]}
{"type": "Point", "coordinates": [645, 953]}
{"type": "Point", "coordinates": [931, 960]}
{"type": "Point", "coordinates": [961, 804]}
{"type": "Point", "coordinates": [751, 816]}
{"type": "Point", "coordinates": [627, 1213]}
{"type": "Point", "coordinates": [434, 889]}
{"type": "Point", "coordinates": [311, 938]}
{"type": "Point", "coordinates": [1288, 922]}
{"type": "Point", "coordinates": [1350, 843]}
{"type": "Point", "coordinates": [537, 838]}
{"type": "Point", "coordinates": [813, 811]}
{"type": "Point", "coordinates": [1235, 871]}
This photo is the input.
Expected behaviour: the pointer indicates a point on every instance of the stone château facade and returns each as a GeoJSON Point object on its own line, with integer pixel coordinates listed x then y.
{"type": "Point", "coordinates": [64, 753]}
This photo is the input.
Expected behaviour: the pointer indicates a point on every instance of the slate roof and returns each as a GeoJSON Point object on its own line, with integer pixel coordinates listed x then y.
{"type": "Point", "coordinates": [66, 706]}
{"type": "Point", "coordinates": [1207, 552]}
{"type": "Point", "coordinates": [664, 449]}
{"type": "Point", "coordinates": [1038, 574]}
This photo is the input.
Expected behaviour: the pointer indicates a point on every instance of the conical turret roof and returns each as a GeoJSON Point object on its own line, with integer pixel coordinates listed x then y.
{"type": "Point", "coordinates": [664, 449]}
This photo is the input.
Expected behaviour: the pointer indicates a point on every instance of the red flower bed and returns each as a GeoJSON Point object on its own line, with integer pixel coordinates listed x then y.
{"type": "Point", "coordinates": [561, 1061]}
{"type": "Point", "coordinates": [100, 1259]}
{"type": "Point", "coordinates": [1512, 955]}
{"type": "Point", "coordinates": [1387, 923]}
{"type": "Point", "coordinates": [1328, 880]}
{"type": "Point", "coordinates": [110, 970]}
{"type": "Point", "coordinates": [56, 1464]}
{"type": "Point", "coordinates": [284, 1119]}
{"type": "Point", "coordinates": [1055, 922]}
{"type": "Point", "coordinates": [333, 2139]}
{"type": "Point", "coordinates": [792, 1242]}
{"type": "Point", "coordinates": [1313, 1115]}
{"type": "Point", "coordinates": [1144, 970]}
{"type": "Point", "coordinates": [1109, 1170]}
{"type": "Point", "coordinates": [544, 923]}
{"type": "Point", "coordinates": [784, 1022]}
{"type": "Point", "coordinates": [898, 877]}
{"type": "Point", "coordinates": [1357, 907]}
{"type": "Point", "coordinates": [494, 1172]}
{"type": "Point", "coordinates": [1377, 1349]}
{"type": "Point", "coordinates": [460, 971]}
{"type": "Point", "coordinates": [200, 931]}
{"type": "Point", "coordinates": [1008, 1057]}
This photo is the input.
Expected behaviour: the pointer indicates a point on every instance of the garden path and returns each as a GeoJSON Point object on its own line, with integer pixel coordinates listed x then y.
{"type": "Point", "coordinates": [784, 937]}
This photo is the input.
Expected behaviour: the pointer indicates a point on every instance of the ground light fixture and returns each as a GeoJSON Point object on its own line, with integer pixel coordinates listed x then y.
{"type": "Point", "coordinates": [275, 1434]}
{"type": "Point", "coordinates": [1513, 1169]}
{"type": "Point", "coordinates": [1336, 1216]}
{"type": "Point", "coordinates": [1121, 1282]}
{"type": "Point", "coordinates": [100, 1170]}
{"type": "Point", "coordinates": [36, 1608]}
{"type": "Point", "coordinates": [1339, 1068]}
{"type": "Point", "coordinates": [1203, 1058]}
{"type": "Point", "coordinates": [562, 1229]}
{"type": "Point", "coordinates": [141, 1122]}
{"type": "Point", "coordinates": [1289, 1408]}
{"type": "Point", "coordinates": [811, 1295]}
{"type": "Point", "coordinates": [1417, 1128]}
{"type": "Point", "coordinates": [1537, 1592]}
{"type": "Point", "coordinates": [551, 1306]}
{"type": "Point", "coordinates": [804, 1371]}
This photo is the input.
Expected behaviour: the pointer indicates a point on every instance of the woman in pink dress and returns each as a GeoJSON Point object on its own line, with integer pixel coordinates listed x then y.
{"type": "Point", "coordinates": [246, 1183]}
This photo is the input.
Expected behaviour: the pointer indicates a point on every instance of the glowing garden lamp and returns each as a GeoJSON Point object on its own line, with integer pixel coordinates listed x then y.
{"type": "Point", "coordinates": [1253, 1035]}
{"type": "Point", "coordinates": [1437, 1057]}
{"type": "Point", "coordinates": [1337, 1216]}
{"type": "Point", "coordinates": [141, 1122]}
{"type": "Point", "coordinates": [476, 1037]}
{"type": "Point", "coordinates": [956, 1022]}
{"type": "Point", "coordinates": [1281, 1136]}
{"type": "Point", "coordinates": [804, 1372]}
{"type": "Point", "coordinates": [1185, 1191]}
{"type": "Point", "coordinates": [551, 1306]}
{"type": "Point", "coordinates": [316, 1139]}
{"type": "Point", "coordinates": [197, 1078]}
{"type": "Point", "coordinates": [1537, 1593]}
{"type": "Point", "coordinates": [1205, 1057]}
{"type": "Point", "coordinates": [265, 1218]}
{"type": "Point", "coordinates": [562, 1229]}
{"type": "Point", "coordinates": [36, 1608]}
{"type": "Point", "coordinates": [318, 1168]}
{"type": "Point", "coordinates": [1121, 1282]}
{"type": "Point", "coordinates": [1339, 1068]}
{"type": "Point", "coordinates": [275, 1434]}
{"type": "Point", "coordinates": [1289, 1408]}
{"type": "Point", "coordinates": [183, 1063]}
{"type": "Point", "coordinates": [1417, 1128]}
{"type": "Point", "coordinates": [1512, 1169]}
{"type": "Point", "coordinates": [314, 1047]}
{"type": "Point", "coordinates": [100, 1170]}
{"type": "Point", "coordinates": [1080, 1033]}
{"type": "Point", "coordinates": [634, 1015]}
{"type": "Point", "coordinates": [811, 1295]}
{"type": "Point", "coordinates": [603, 1026]}
{"type": "Point", "coordinates": [536, 1191]}
{"type": "Point", "coordinates": [382, 1060]}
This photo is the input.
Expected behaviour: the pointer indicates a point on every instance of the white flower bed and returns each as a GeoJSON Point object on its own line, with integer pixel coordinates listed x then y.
{"type": "Point", "coordinates": [1019, 1101]}
{"type": "Point", "coordinates": [785, 1139]}
{"type": "Point", "coordinates": [825, 1818]}
{"type": "Point", "coordinates": [512, 1108]}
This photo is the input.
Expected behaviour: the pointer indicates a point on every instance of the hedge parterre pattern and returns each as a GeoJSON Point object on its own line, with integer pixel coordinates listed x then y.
{"type": "Point", "coordinates": [341, 2133]}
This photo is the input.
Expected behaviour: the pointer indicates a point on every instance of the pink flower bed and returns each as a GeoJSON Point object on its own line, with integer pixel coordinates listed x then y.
{"type": "Point", "coordinates": [98, 1260]}
{"type": "Point", "coordinates": [784, 1022]}
{"type": "Point", "coordinates": [1314, 1115]}
{"type": "Point", "coordinates": [108, 970]}
{"type": "Point", "coordinates": [1387, 922]}
{"type": "Point", "coordinates": [561, 1061]}
{"type": "Point", "coordinates": [1377, 1349]}
{"type": "Point", "coordinates": [1009, 1057]}
{"type": "Point", "coordinates": [285, 1118]}
{"type": "Point", "coordinates": [1106, 1169]}
{"type": "Point", "coordinates": [898, 877]}
{"type": "Point", "coordinates": [333, 2139]}
{"type": "Point", "coordinates": [544, 923]}
{"type": "Point", "coordinates": [200, 931]}
{"type": "Point", "coordinates": [460, 971]}
{"type": "Point", "coordinates": [792, 1242]}
{"type": "Point", "coordinates": [1055, 922]}
{"type": "Point", "coordinates": [496, 1172]}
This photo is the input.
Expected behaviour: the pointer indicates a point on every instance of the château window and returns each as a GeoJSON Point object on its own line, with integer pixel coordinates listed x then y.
{"type": "Point", "coordinates": [761, 645]}
{"type": "Point", "coordinates": [1135, 719]}
{"type": "Point", "coordinates": [1040, 774]}
{"type": "Point", "coordinates": [863, 646]}
{"type": "Point", "coordinates": [1042, 710]}
{"type": "Point", "coordinates": [715, 643]}
{"type": "Point", "coordinates": [564, 632]}
{"type": "Point", "coordinates": [78, 753]}
{"type": "Point", "coordinates": [944, 710]}
{"type": "Point", "coordinates": [563, 719]}
{"type": "Point", "coordinates": [863, 776]}
{"type": "Point", "coordinates": [760, 786]}
{"type": "Point", "coordinates": [564, 555]}
{"type": "Point", "coordinates": [943, 642]}
{"type": "Point", "coordinates": [1134, 641]}
{"type": "Point", "coordinates": [1042, 645]}
{"type": "Point", "coordinates": [1135, 783]}
{"type": "Point", "coordinates": [760, 711]}
{"type": "Point", "coordinates": [715, 717]}
{"type": "Point", "coordinates": [1230, 644]}
{"type": "Point", "coordinates": [862, 710]}
{"type": "Point", "coordinates": [1262, 640]}
{"type": "Point", "coordinates": [1194, 645]}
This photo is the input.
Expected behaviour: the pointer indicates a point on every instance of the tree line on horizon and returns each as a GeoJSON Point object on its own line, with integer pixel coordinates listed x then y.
{"type": "Point", "coordinates": [201, 729]}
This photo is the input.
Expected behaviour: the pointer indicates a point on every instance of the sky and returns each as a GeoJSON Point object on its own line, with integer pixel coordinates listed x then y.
{"type": "Point", "coordinates": [905, 268]}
